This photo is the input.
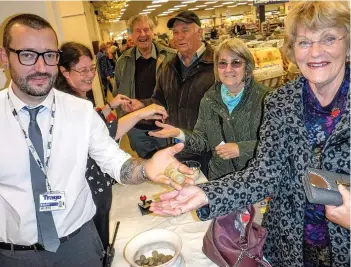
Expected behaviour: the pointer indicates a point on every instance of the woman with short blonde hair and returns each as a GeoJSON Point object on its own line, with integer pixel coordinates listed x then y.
{"type": "Point", "coordinates": [238, 47]}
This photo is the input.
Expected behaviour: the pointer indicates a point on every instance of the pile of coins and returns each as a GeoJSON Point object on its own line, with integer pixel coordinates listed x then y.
{"type": "Point", "coordinates": [156, 259]}
{"type": "Point", "coordinates": [175, 175]}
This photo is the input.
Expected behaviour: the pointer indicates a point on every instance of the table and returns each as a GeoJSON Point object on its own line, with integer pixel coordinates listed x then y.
{"type": "Point", "coordinates": [187, 226]}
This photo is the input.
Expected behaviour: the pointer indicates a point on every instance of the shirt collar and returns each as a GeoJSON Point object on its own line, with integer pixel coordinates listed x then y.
{"type": "Point", "coordinates": [153, 53]}
{"type": "Point", "coordinates": [19, 104]}
{"type": "Point", "coordinates": [196, 55]}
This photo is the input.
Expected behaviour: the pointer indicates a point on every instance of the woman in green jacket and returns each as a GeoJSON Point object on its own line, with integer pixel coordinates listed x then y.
{"type": "Point", "coordinates": [229, 114]}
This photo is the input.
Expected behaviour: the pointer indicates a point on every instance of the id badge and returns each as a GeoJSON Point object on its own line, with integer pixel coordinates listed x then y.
{"type": "Point", "coordinates": [51, 201]}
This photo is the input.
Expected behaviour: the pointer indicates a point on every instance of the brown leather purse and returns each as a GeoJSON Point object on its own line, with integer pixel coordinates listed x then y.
{"type": "Point", "coordinates": [227, 246]}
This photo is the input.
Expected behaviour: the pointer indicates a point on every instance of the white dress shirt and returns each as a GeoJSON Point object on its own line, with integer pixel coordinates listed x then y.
{"type": "Point", "coordinates": [78, 130]}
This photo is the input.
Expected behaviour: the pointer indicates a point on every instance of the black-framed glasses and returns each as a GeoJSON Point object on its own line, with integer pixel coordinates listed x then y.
{"type": "Point", "coordinates": [85, 72]}
{"type": "Point", "coordinates": [29, 57]}
{"type": "Point", "coordinates": [235, 64]}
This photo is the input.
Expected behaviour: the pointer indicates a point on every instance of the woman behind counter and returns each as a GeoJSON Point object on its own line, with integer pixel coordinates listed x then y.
{"type": "Point", "coordinates": [229, 115]}
{"type": "Point", "coordinates": [306, 123]}
{"type": "Point", "coordinates": [76, 74]}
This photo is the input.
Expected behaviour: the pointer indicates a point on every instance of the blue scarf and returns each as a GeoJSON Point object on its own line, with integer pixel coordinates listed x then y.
{"type": "Point", "coordinates": [229, 99]}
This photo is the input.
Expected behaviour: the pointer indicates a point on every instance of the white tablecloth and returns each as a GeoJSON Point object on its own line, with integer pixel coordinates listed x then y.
{"type": "Point", "coordinates": [125, 209]}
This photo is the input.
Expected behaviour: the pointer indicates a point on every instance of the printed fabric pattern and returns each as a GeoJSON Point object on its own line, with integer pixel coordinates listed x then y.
{"type": "Point", "coordinates": [320, 122]}
{"type": "Point", "coordinates": [283, 156]}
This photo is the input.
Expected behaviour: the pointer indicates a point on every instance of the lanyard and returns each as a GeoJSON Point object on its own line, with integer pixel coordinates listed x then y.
{"type": "Point", "coordinates": [30, 145]}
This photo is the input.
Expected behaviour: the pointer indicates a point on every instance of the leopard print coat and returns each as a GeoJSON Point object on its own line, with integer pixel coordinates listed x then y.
{"type": "Point", "coordinates": [283, 156]}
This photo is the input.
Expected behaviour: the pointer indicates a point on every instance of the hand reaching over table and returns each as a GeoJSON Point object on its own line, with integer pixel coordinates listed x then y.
{"type": "Point", "coordinates": [119, 100]}
{"type": "Point", "coordinates": [166, 132]}
{"type": "Point", "coordinates": [175, 203]}
{"type": "Point", "coordinates": [163, 160]}
{"type": "Point", "coordinates": [152, 112]}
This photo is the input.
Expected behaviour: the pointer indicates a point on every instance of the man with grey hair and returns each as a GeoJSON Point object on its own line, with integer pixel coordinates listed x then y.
{"type": "Point", "coordinates": [185, 79]}
{"type": "Point", "coordinates": [136, 73]}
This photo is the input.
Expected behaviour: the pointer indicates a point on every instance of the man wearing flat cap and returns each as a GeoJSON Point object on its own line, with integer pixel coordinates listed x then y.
{"type": "Point", "coordinates": [184, 79]}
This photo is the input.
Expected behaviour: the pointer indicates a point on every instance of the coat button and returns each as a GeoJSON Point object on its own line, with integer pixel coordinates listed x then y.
{"type": "Point", "coordinates": [181, 109]}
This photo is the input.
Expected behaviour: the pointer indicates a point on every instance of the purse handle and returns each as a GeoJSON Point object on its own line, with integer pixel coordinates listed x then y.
{"type": "Point", "coordinates": [251, 210]}
{"type": "Point", "coordinates": [244, 252]}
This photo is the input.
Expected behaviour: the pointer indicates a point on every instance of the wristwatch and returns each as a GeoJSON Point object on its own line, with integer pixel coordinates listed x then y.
{"type": "Point", "coordinates": [143, 172]}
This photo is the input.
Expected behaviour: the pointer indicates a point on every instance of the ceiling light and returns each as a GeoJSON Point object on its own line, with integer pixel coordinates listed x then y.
{"type": "Point", "coordinates": [210, 8]}
{"type": "Point", "coordinates": [212, 2]}
{"type": "Point", "coordinates": [232, 6]}
{"type": "Point", "coordinates": [153, 6]}
{"type": "Point", "coordinates": [202, 6]}
{"type": "Point", "coordinates": [144, 13]}
{"type": "Point", "coordinates": [227, 3]}
{"type": "Point", "coordinates": [195, 8]}
{"type": "Point", "coordinates": [218, 6]}
{"type": "Point", "coordinates": [161, 15]}
{"type": "Point", "coordinates": [126, 5]}
{"type": "Point", "coordinates": [123, 9]}
{"type": "Point", "coordinates": [240, 4]}
{"type": "Point", "coordinates": [187, 2]}
{"type": "Point", "coordinates": [173, 9]}
{"type": "Point", "coordinates": [180, 6]}
{"type": "Point", "coordinates": [150, 9]}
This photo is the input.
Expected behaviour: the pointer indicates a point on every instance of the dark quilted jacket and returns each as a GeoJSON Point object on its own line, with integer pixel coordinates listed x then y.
{"type": "Point", "coordinates": [283, 156]}
{"type": "Point", "coordinates": [181, 97]}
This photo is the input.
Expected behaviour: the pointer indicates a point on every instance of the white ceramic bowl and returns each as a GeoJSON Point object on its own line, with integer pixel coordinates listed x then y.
{"type": "Point", "coordinates": [162, 240]}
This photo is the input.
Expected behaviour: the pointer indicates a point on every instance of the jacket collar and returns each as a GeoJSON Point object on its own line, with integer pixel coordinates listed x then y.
{"type": "Point", "coordinates": [195, 56]}
{"type": "Point", "coordinates": [153, 52]}
{"type": "Point", "coordinates": [215, 96]}
{"type": "Point", "coordinates": [207, 56]}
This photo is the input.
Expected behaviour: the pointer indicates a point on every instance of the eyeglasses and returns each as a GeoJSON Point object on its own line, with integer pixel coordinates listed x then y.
{"type": "Point", "coordinates": [235, 64]}
{"type": "Point", "coordinates": [30, 57]}
{"type": "Point", "coordinates": [325, 41]}
{"type": "Point", "coordinates": [85, 72]}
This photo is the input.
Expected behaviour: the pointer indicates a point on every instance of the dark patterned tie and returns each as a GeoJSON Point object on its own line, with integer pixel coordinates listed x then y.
{"type": "Point", "coordinates": [47, 234]}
